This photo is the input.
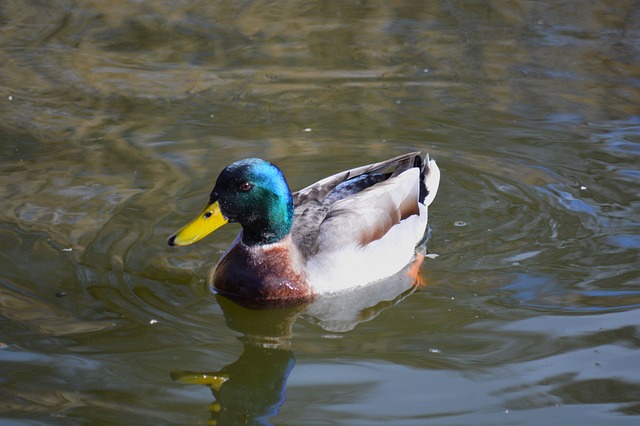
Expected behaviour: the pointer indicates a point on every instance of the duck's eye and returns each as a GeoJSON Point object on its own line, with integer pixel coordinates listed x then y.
{"type": "Point", "coordinates": [245, 186]}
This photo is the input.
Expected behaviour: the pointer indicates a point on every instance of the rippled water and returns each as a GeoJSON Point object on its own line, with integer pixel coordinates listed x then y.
{"type": "Point", "coordinates": [117, 117]}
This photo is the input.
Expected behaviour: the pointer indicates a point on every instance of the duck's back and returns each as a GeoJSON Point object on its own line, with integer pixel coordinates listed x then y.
{"type": "Point", "coordinates": [368, 220]}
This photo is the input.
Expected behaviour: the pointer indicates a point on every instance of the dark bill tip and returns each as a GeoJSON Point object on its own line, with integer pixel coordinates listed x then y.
{"type": "Point", "coordinates": [172, 240]}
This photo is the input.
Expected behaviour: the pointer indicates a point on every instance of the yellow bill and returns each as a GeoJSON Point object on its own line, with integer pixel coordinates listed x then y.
{"type": "Point", "coordinates": [209, 219]}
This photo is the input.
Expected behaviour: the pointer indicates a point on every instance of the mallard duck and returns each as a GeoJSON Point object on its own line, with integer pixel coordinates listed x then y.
{"type": "Point", "coordinates": [347, 230]}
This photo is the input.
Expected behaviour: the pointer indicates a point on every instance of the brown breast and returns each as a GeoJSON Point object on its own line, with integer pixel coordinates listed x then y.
{"type": "Point", "coordinates": [262, 274]}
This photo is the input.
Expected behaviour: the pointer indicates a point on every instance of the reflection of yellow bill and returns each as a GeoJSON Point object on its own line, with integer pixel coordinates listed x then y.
{"type": "Point", "coordinates": [209, 219]}
{"type": "Point", "coordinates": [215, 380]}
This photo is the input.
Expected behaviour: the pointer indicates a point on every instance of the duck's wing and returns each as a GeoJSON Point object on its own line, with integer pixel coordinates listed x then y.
{"type": "Point", "coordinates": [360, 204]}
{"type": "Point", "coordinates": [318, 191]}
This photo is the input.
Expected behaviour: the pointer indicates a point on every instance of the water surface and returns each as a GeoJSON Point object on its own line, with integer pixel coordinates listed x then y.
{"type": "Point", "coordinates": [117, 117]}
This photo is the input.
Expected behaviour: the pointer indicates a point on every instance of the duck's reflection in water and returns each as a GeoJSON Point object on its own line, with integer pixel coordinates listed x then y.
{"type": "Point", "coordinates": [252, 389]}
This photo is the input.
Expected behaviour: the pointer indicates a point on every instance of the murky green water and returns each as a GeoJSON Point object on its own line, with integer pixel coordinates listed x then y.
{"type": "Point", "coordinates": [117, 117]}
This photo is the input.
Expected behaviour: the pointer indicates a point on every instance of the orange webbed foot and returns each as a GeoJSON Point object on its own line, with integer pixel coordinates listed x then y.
{"type": "Point", "coordinates": [414, 271]}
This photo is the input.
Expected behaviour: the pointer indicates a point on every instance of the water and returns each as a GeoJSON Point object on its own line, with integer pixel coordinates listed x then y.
{"type": "Point", "coordinates": [117, 117]}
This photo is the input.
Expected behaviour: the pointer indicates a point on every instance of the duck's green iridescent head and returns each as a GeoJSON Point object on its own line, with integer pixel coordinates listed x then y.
{"type": "Point", "coordinates": [251, 192]}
